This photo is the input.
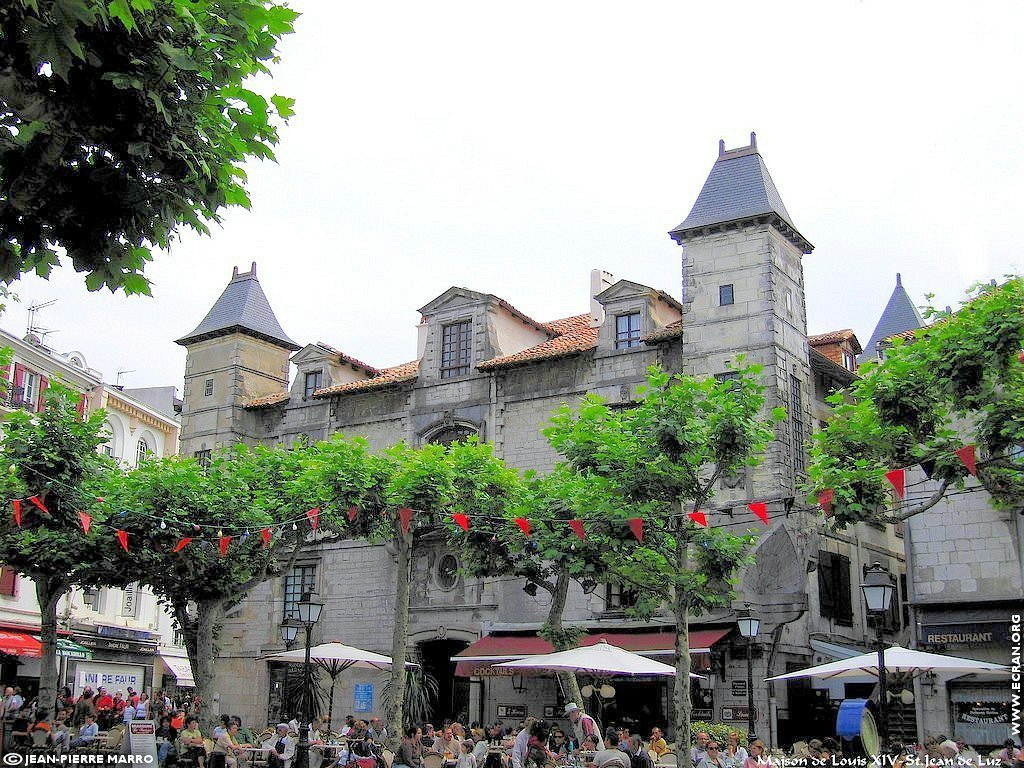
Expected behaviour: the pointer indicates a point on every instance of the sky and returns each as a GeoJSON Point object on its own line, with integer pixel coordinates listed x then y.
{"type": "Point", "coordinates": [511, 148]}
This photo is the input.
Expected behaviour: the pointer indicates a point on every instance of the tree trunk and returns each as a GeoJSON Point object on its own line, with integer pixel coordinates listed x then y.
{"type": "Point", "coordinates": [400, 639]}
{"type": "Point", "coordinates": [49, 590]}
{"type": "Point", "coordinates": [570, 683]}
{"type": "Point", "coordinates": [681, 609]}
{"type": "Point", "coordinates": [208, 617]}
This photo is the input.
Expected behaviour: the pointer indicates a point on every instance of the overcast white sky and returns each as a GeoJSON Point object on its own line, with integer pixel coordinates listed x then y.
{"type": "Point", "coordinates": [512, 147]}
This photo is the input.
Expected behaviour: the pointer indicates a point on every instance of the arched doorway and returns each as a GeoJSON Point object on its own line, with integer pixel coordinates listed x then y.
{"type": "Point", "coordinates": [452, 701]}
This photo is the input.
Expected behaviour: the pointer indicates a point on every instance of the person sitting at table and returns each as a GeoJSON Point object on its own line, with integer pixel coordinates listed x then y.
{"type": "Point", "coordinates": [60, 736]}
{"type": "Point", "coordinates": [466, 758]}
{"type": "Point", "coordinates": [280, 748]}
{"type": "Point", "coordinates": [166, 736]}
{"type": "Point", "coordinates": [446, 744]}
{"type": "Point", "coordinates": [495, 734]}
{"type": "Point", "coordinates": [350, 723]}
{"type": "Point", "coordinates": [410, 750]}
{"type": "Point", "coordinates": [713, 759]}
{"type": "Point", "coordinates": [611, 755]}
{"type": "Point", "coordinates": [227, 745]}
{"type": "Point", "coordinates": [537, 754]}
{"type": "Point", "coordinates": [480, 752]}
{"type": "Point", "coordinates": [658, 743]}
{"type": "Point", "coordinates": [316, 743]}
{"type": "Point", "coordinates": [378, 731]}
{"type": "Point", "coordinates": [88, 732]}
{"type": "Point", "coordinates": [638, 756]}
{"type": "Point", "coordinates": [190, 743]}
{"type": "Point", "coordinates": [221, 727]}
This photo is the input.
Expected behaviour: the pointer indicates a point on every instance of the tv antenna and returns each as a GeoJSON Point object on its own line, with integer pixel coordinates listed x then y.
{"type": "Point", "coordinates": [38, 330]}
{"type": "Point", "coordinates": [120, 373]}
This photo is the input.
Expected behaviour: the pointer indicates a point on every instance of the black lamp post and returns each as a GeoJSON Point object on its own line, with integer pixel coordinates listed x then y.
{"type": "Point", "coordinates": [749, 626]}
{"type": "Point", "coordinates": [878, 590]}
{"type": "Point", "coordinates": [309, 613]}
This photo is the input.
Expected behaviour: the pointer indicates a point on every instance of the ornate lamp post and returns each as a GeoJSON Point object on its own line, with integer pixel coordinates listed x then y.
{"type": "Point", "coordinates": [309, 613]}
{"type": "Point", "coordinates": [878, 590]}
{"type": "Point", "coordinates": [749, 626]}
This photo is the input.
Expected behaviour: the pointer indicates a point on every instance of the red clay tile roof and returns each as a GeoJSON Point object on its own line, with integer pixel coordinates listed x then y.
{"type": "Point", "coordinates": [670, 331]}
{"type": "Point", "coordinates": [574, 336]}
{"type": "Point", "coordinates": [832, 337]}
{"type": "Point", "coordinates": [267, 400]}
{"type": "Point", "coordinates": [386, 377]}
{"type": "Point", "coordinates": [343, 358]}
{"type": "Point", "coordinates": [908, 335]}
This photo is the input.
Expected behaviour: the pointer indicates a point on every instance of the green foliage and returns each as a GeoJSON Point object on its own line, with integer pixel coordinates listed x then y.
{"type": "Point", "coordinates": [718, 732]}
{"type": "Point", "coordinates": [420, 695]}
{"type": "Point", "coordinates": [960, 380]}
{"type": "Point", "coordinates": [122, 121]}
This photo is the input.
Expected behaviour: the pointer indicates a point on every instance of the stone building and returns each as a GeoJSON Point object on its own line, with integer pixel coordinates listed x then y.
{"type": "Point", "coordinates": [485, 368]}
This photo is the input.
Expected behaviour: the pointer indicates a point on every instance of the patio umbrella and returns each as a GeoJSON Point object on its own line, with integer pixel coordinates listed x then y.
{"type": "Point", "coordinates": [896, 659]}
{"type": "Point", "coordinates": [334, 658]}
{"type": "Point", "coordinates": [599, 659]}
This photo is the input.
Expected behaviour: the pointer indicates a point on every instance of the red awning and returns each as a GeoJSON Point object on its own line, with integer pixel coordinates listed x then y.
{"type": "Point", "coordinates": [478, 658]}
{"type": "Point", "coordinates": [20, 644]}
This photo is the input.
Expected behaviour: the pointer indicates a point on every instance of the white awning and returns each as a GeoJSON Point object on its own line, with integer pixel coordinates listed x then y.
{"type": "Point", "coordinates": [181, 668]}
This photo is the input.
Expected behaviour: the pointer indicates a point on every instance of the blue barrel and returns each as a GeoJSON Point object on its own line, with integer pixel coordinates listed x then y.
{"type": "Point", "coordinates": [851, 715]}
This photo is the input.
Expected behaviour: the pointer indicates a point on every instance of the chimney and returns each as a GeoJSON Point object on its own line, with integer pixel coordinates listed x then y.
{"type": "Point", "coordinates": [599, 280]}
{"type": "Point", "coordinates": [421, 337]}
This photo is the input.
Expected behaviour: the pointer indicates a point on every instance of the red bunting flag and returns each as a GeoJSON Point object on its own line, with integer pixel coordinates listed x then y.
{"type": "Point", "coordinates": [99, 499]}
{"type": "Point", "coordinates": [182, 543]}
{"type": "Point", "coordinates": [898, 478]}
{"type": "Point", "coordinates": [265, 534]}
{"type": "Point", "coordinates": [825, 500]}
{"type": "Point", "coordinates": [577, 527]}
{"type": "Point", "coordinates": [313, 515]}
{"type": "Point", "coordinates": [636, 525]}
{"type": "Point", "coordinates": [16, 503]}
{"type": "Point", "coordinates": [122, 538]}
{"type": "Point", "coordinates": [39, 503]}
{"type": "Point", "coordinates": [524, 525]}
{"type": "Point", "coordinates": [1021, 356]}
{"type": "Point", "coordinates": [968, 457]}
{"type": "Point", "coordinates": [352, 512]}
{"type": "Point", "coordinates": [405, 517]}
{"type": "Point", "coordinates": [760, 510]}
{"type": "Point", "coordinates": [461, 520]}
{"type": "Point", "coordinates": [224, 542]}
{"type": "Point", "coordinates": [86, 520]}
{"type": "Point", "coordinates": [699, 518]}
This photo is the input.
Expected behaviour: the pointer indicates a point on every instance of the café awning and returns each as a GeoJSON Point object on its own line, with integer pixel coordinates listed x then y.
{"type": "Point", "coordinates": [18, 643]}
{"type": "Point", "coordinates": [181, 668]}
{"type": "Point", "coordinates": [69, 649]}
{"type": "Point", "coordinates": [478, 659]}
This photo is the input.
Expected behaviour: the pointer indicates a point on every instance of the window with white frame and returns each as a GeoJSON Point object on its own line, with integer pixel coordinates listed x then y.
{"type": "Point", "coordinates": [31, 385]}
{"type": "Point", "coordinates": [142, 450]}
{"type": "Point", "coordinates": [313, 382]}
{"type": "Point", "coordinates": [627, 330]}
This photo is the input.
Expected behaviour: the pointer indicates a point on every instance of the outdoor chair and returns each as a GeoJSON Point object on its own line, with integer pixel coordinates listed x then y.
{"type": "Point", "coordinates": [111, 744]}
{"type": "Point", "coordinates": [654, 756]}
{"type": "Point", "coordinates": [433, 760]}
{"type": "Point", "coordinates": [388, 757]}
{"type": "Point", "coordinates": [669, 758]}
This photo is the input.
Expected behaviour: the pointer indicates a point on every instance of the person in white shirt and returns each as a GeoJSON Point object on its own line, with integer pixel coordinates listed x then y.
{"type": "Point", "coordinates": [281, 745]}
{"type": "Point", "coordinates": [87, 733]}
{"type": "Point", "coordinates": [129, 713]}
{"type": "Point", "coordinates": [142, 708]}
{"type": "Point", "coordinates": [466, 759]}
{"type": "Point", "coordinates": [520, 744]}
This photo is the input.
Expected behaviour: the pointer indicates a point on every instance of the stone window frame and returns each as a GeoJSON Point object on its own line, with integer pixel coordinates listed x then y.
{"type": "Point", "coordinates": [464, 338]}
{"type": "Point", "coordinates": [307, 391]}
{"type": "Point", "coordinates": [632, 336]}
{"type": "Point", "coordinates": [722, 294]}
{"type": "Point", "coordinates": [447, 580]}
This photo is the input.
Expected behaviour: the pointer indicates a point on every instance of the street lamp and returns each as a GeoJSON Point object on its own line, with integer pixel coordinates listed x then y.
{"type": "Point", "coordinates": [309, 613]}
{"type": "Point", "coordinates": [749, 626]}
{"type": "Point", "coordinates": [878, 590]}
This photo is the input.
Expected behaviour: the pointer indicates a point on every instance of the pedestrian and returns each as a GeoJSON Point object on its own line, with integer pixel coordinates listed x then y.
{"type": "Point", "coordinates": [583, 725]}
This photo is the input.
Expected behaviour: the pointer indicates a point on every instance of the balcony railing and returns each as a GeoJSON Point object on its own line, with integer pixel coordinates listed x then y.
{"type": "Point", "coordinates": [14, 397]}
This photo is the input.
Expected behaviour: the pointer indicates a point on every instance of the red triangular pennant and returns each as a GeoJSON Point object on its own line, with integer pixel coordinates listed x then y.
{"type": "Point", "coordinates": [461, 520]}
{"type": "Point", "coordinates": [825, 500]}
{"type": "Point", "coordinates": [699, 518]}
{"type": "Point", "coordinates": [39, 503]}
{"type": "Point", "coordinates": [969, 459]}
{"type": "Point", "coordinates": [313, 515]}
{"type": "Point", "coordinates": [760, 510]}
{"type": "Point", "coordinates": [577, 527]}
{"type": "Point", "coordinates": [182, 543]}
{"type": "Point", "coordinates": [352, 512]}
{"type": "Point", "coordinates": [898, 478]}
{"type": "Point", "coordinates": [16, 504]}
{"type": "Point", "coordinates": [524, 525]}
{"type": "Point", "coordinates": [122, 538]}
{"type": "Point", "coordinates": [224, 542]}
{"type": "Point", "coordinates": [405, 517]}
{"type": "Point", "coordinates": [86, 520]}
{"type": "Point", "coordinates": [266, 534]}
{"type": "Point", "coordinates": [636, 525]}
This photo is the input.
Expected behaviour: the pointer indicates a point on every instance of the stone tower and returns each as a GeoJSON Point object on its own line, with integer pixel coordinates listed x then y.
{"type": "Point", "coordinates": [743, 293]}
{"type": "Point", "coordinates": [239, 351]}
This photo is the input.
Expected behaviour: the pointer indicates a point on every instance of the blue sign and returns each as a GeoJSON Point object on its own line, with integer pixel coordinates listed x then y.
{"type": "Point", "coordinates": [363, 697]}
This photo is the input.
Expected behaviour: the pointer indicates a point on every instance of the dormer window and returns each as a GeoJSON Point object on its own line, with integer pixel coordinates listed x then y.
{"type": "Point", "coordinates": [627, 330]}
{"type": "Point", "coordinates": [456, 349]}
{"type": "Point", "coordinates": [312, 382]}
{"type": "Point", "coordinates": [849, 361]}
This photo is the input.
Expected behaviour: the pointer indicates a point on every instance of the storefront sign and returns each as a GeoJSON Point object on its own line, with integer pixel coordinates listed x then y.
{"type": "Point", "coordinates": [703, 714]}
{"type": "Point", "coordinates": [113, 644]}
{"type": "Point", "coordinates": [142, 739]}
{"type": "Point", "coordinates": [111, 676]}
{"type": "Point", "coordinates": [362, 697]}
{"type": "Point", "coordinates": [983, 712]}
{"type": "Point", "coordinates": [125, 633]}
{"type": "Point", "coordinates": [739, 687]}
{"type": "Point", "coordinates": [511, 711]}
{"type": "Point", "coordinates": [977, 633]}
{"type": "Point", "coordinates": [737, 713]}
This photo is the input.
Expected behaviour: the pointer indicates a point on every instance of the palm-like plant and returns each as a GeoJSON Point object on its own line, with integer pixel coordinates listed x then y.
{"type": "Point", "coordinates": [420, 694]}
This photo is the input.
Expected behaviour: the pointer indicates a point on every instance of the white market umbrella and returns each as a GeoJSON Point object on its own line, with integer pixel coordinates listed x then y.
{"type": "Point", "coordinates": [599, 659]}
{"type": "Point", "coordinates": [334, 658]}
{"type": "Point", "coordinates": [897, 659]}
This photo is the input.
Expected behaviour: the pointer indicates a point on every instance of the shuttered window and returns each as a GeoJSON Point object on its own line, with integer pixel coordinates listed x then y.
{"type": "Point", "coordinates": [8, 582]}
{"type": "Point", "coordinates": [834, 588]}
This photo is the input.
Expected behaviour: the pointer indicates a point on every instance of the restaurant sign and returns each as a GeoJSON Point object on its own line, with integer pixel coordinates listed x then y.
{"type": "Point", "coordinates": [737, 713]}
{"type": "Point", "coordinates": [977, 633]}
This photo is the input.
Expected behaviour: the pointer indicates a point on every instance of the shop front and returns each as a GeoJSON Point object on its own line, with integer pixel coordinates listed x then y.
{"type": "Point", "coordinates": [121, 657]}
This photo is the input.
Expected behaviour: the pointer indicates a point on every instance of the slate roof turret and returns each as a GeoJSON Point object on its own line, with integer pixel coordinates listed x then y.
{"type": "Point", "coordinates": [242, 308]}
{"type": "Point", "coordinates": [899, 316]}
{"type": "Point", "coordinates": [739, 190]}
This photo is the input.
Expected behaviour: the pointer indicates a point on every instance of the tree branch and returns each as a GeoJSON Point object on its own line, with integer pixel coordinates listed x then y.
{"type": "Point", "coordinates": [924, 506]}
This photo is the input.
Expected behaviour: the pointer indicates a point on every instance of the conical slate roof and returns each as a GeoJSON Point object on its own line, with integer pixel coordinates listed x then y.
{"type": "Point", "coordinates": [899, 315]}
{"type": "Point", "coordinates": [242, 308]}
{"type": "Point", "coordinates": [739, 188]}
